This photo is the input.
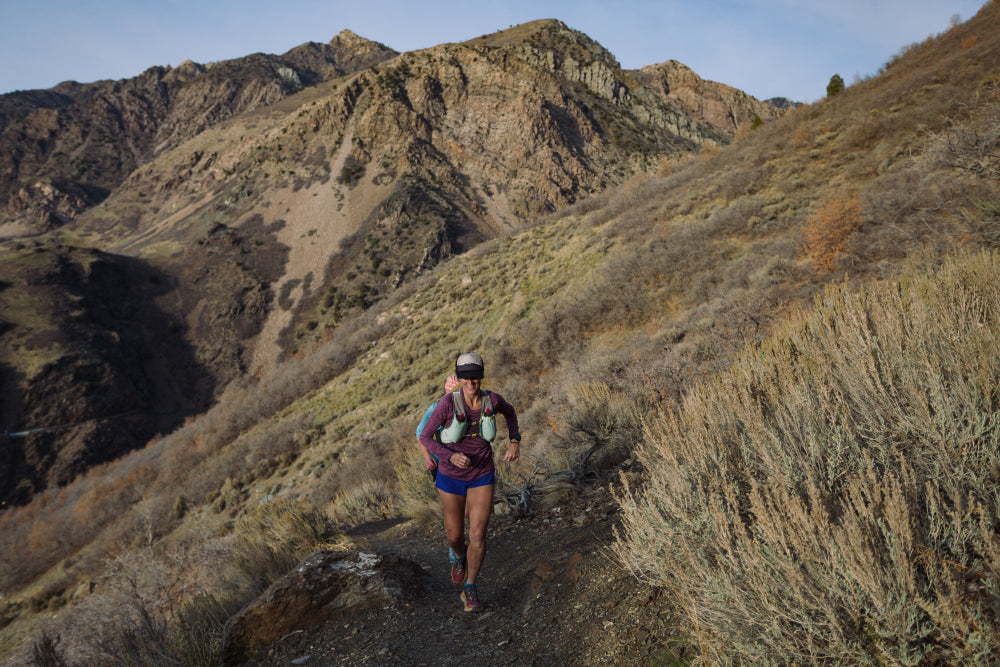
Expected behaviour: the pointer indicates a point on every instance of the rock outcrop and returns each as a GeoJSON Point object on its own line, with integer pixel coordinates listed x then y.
{"type": "Point", "coordinates": [723, 107]}
{"type": "Point", "coordinates": [572, 54]}
{"type": "Point", "coordinates": [324, 586]}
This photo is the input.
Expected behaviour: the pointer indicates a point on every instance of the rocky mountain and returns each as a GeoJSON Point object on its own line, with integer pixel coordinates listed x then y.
{"type": "Point", "coordinates": [65, 149]}
{"type": "Point", "coordinates": [89, 362]}
{"type": "Point", "coordinates": [271, 197]}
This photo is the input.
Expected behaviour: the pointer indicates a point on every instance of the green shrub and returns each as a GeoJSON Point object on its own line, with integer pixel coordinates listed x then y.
{"type": "Point", "coordinates": [836, 85]}
{"type": "Point", "coordinates": [835, 497]}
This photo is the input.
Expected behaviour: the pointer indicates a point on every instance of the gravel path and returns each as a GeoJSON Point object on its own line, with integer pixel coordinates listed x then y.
{"type": "Point", "coordinates": [552, 594]}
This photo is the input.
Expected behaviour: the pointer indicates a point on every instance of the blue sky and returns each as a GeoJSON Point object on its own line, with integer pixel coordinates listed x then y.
{"type": "Point", "coordinates": [767, 48]}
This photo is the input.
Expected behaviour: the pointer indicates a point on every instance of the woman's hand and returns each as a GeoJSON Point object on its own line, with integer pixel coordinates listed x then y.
{"type": "Point", "coordinates": [513, 451]}
{"type": "Point", "coordinates": [459, 460]}
{"type": "Point", "coordinates": [430, 463]}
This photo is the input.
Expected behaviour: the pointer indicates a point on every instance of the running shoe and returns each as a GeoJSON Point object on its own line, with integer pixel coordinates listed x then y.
{"type": "Point", "coordinates": [470, 598]}
{"type": "Point", "coordinates": [458, 571]}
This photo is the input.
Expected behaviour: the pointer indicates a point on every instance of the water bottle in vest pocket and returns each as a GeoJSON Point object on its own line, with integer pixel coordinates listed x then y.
{"type": "Point", "coordinates": [455, 431]}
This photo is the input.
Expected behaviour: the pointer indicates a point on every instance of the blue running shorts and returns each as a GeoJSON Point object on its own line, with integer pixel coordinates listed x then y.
{"type": "Point", "coordinates": [459, 487]}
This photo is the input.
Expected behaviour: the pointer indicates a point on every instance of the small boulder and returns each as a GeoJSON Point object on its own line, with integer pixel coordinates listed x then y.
{"type": "Point", "coordinates": [326, 584]}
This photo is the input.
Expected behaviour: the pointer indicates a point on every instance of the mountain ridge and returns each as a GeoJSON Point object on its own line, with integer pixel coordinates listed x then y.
{"type": "Point", "coordinates": [71, 138]}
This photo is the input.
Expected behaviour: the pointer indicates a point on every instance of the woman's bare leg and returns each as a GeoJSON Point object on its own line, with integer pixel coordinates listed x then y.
{"type": "Point", "coordinates": [454, 521]}
{"type": "Point", "coordinates": [480, 504]}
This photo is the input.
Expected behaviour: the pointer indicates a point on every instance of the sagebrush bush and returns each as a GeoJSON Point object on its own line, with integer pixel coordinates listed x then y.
{"type": "Point", "coordinates": [602, 427]}
{"type": "Point", "coordinates": [972, 146]}
{"type": "Point", "coordinates": [45, 651]}
{"type": "Point", "coordinates": [827, 232]}
{"type": "Point", "coordinates": [129, 614]}
{"type": "Point", "coordinates": [835, 496]}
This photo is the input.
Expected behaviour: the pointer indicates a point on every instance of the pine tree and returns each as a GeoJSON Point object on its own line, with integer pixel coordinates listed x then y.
{"type": "Point", "coordinates": [836, 86]}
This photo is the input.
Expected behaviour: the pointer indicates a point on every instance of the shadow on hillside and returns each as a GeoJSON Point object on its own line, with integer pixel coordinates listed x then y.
{"type": "Point", "coordinates": [10, 409]}
{"type": "Point", "coordinates": [123, 373]}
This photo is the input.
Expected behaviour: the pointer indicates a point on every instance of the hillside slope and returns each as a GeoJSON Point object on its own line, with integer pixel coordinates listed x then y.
{"type": "Point", "coordinates": [107, 369]}
{"type": "Point", "coordinates": [618, 303]}
{"type": "Point", "coordinates": [270, 217]}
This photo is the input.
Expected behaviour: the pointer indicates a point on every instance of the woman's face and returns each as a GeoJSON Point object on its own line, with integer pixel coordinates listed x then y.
{"type": "Point", "coordinates": [471, 384]}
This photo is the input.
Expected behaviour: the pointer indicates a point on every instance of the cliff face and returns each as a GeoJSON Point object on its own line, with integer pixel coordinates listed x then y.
{"type": "Point", "coordinates": [273, 197]}
{"type": "Point", "coordinates": [573, 55]}
{"type": "Point", "coordinates": [723, 107]}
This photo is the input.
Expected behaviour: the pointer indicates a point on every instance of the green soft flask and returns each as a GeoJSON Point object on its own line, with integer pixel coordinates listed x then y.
{"type": "Point", "coordinates": [488, 423]}
{"type": "Point", "coordinates": [455, 431]}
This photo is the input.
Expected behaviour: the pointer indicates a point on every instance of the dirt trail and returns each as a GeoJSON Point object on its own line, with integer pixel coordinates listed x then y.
{"type": "Point", "coordinates": [551, 592]}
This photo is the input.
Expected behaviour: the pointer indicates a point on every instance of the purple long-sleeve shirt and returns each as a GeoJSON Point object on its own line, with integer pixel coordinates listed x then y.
{"type": "Point", "coordinates": [472, 445]}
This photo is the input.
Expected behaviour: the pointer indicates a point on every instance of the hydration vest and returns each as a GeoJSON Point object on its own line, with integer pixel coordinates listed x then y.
{"type": "Point", "coordinates": [455, 431]}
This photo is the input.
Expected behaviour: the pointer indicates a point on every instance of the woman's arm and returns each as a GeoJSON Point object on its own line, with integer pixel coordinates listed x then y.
{"type": "Point", "coordinates": [509, 414]}
{"type": "Point", "coordinates": [513, 452]}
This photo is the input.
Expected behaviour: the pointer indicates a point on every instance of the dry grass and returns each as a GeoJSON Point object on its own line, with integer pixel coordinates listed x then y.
{"type": "Point", "coordinates": [638, 295]}
{"type": "Point", "coordinates": [370, 498]}
{"type": "Point", "coordinates": [272, 539]}
{"type": "Point", "coordinates": [153, 609]}
{"type": "Point", "coordinates": [832, 497]}
{"type": "Point", "coordinates": [417, 497]}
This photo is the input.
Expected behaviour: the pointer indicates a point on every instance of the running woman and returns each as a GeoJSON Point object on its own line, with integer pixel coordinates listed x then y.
{"type": "Point", "coordinates": [465, 472]}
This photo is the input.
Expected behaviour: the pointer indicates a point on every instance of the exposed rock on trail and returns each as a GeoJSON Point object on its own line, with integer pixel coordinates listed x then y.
{"type": "Point", "coordinates": [326, 585]}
